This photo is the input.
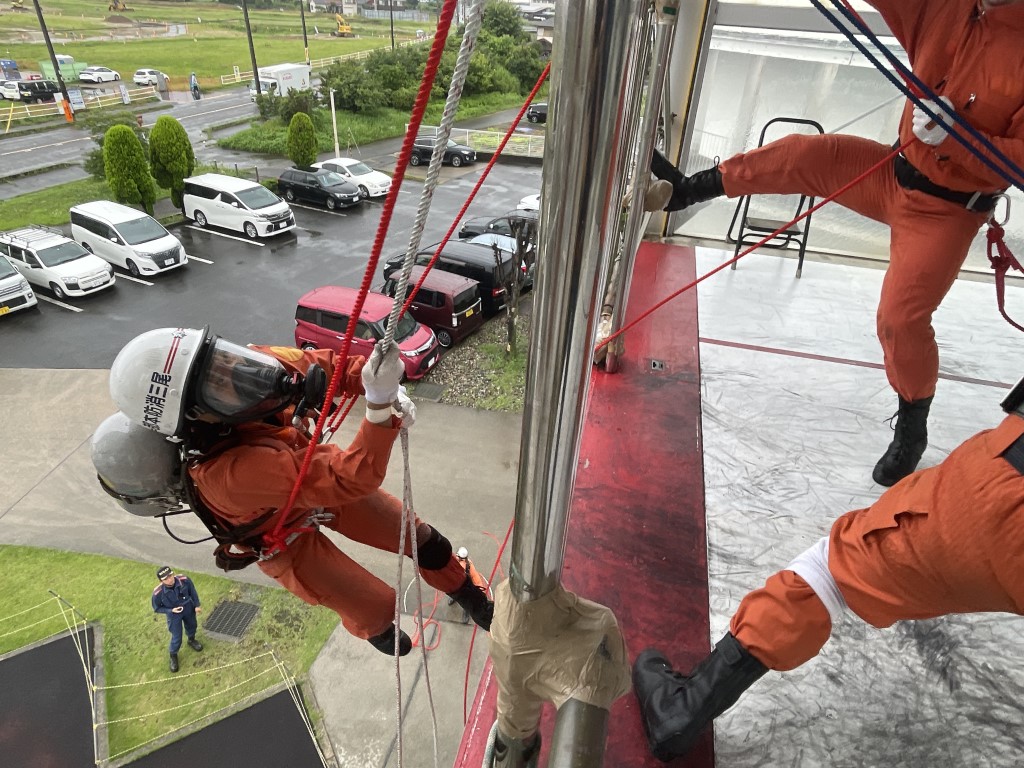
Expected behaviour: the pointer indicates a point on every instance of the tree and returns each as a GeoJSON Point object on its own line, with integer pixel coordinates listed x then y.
{"type": "Point", "coordinates": [127, 170]}
{"type": "Point", "coordinates": [98, 123]}
{"type": "Point", "coordinates": [302, 143]}
{"type": "Point", "coordinates": [502, 18]}
{"type": "Point", "coordinates": [171, 156]}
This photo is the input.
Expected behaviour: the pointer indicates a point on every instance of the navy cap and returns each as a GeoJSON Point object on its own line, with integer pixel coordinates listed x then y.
{"type": "Point", "coordinates": [164, 571]}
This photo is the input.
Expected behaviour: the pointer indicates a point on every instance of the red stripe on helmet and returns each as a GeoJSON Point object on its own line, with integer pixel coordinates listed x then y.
{"type": "Point", "coordinates": [172, 352]}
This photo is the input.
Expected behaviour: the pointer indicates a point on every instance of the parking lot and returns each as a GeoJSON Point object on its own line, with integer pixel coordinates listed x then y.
{"type": "Point", "coordinates": [246, 290]}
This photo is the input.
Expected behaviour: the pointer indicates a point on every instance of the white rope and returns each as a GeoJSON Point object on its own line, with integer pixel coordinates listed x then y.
{"type": "Point", "coordinates": [187, 674]}
{"type": "Point", "coordinates": [33, 624]}
{"type": "Point", "coordinates": [293, 690]}
{"type": "Point", "coordinates": [34, 607]}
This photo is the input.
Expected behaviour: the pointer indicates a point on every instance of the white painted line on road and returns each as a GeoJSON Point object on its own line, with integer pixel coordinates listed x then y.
{"type": "Point", "coordinates": [318, 210]}
{"type": "Point", "coordinates": [199, 258]}
{"type": "Point", "coordinates": [45, 146]}
{"type": "Point", "coordinates": [229, 237]}
{"type": "Point", "coordinates": [123, 276]}
{"type": "Point", "coordinates": [58, 303]}
{"type": "Point", "coordinates": [213, 111]}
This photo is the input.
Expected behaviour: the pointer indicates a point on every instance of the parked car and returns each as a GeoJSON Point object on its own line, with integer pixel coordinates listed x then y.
{"type": "Point", "coordinates": [320, 186]}
{"type": "Point", "coordinates": [496, 225]}
{"type": "Point", "coordinates": [476, 262]}
{"type": "Point", "coordinates": [448, 304]}
{"type": "Point", "coordinates": [322, 316]}
{"type": "Point", "coordinates": [234, 203]}
{"type": "Point", "coordinates": [98, 75]}
{"type": "Point", "coordinates": [371, 183]}
{"type": "Point", "coordinates": [507, 243]}
{"type": "Point", "coordinates": [454, 154]}
{"type": "Point", "coordinates": [15, 292]}
{"type": "Point", "coordinates": [126, 237]}
{"type": "Point", "coordinates": [147, 76]}
{"type": "Point", "coordinates": [537, 113]}
{"type": "Point", "coordinates": [9, 90]}
{"type": "Point", "coordinates": [47, 259]}
{"type": "Point", "coordinates": [529, 203]}
{"type": "Point", "coordinates": [37, 90]}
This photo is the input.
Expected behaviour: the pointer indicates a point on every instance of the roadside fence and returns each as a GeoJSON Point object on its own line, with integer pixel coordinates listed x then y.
{"type": "Point", "coordinates": [520, 144]}
{"type": "Point", "coordinates": [16, 110]}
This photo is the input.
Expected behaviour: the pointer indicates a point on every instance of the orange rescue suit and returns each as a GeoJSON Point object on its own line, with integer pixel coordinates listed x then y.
{"type": "Point", "coordinates": [257, 476]}
{"type": "Point", "coordinates": [947, 539]}
{"type": "Point", "coordinates": [974, 58]}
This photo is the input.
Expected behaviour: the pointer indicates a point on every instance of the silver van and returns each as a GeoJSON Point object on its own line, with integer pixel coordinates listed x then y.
{"type": "Point", "coordinates": [126, 237]}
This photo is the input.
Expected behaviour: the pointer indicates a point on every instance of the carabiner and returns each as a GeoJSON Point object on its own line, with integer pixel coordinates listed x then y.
{"type": "Point", "coordinates": [1006, 216]}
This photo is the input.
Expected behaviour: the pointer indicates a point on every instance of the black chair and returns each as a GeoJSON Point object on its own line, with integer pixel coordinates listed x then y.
{"type": "Point", "coordinates": [753, 229]}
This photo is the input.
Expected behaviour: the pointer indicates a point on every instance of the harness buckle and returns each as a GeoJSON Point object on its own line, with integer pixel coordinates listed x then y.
{"type": "Point", "coordinates": [1006, 216]}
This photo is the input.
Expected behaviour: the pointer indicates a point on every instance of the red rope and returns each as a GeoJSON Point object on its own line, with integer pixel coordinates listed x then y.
{"type": "Point", "coordinates": [476, 188]}
{"type": "Point", "coordinates": [275, 541]}
{"type": "Point", "coordinates": [1001, 262]}
{"type": "Point", "coordinates": [761, 242]}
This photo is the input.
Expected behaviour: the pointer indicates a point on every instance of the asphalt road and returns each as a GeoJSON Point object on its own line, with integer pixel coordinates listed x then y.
{"type": "Point", "coordinates": [246, 291]}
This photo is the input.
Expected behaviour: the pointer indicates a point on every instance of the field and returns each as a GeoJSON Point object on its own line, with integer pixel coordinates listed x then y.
{"type": "Point", "coordinates": [214, 40]}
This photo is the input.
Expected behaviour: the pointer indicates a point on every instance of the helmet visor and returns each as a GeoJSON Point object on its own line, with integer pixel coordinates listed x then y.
{"type": "Point", "coordinates": [237, 384]}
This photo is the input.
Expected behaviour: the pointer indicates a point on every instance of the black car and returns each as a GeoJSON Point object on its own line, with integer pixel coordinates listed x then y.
{"type": "Point", "coordinates": [37, 90]}
{"type": "Point", "coordinates": [537, 113]}
{"type": "Point", "coordinates": [318, 185]}
{"type": "Point", "coordinates": [454, 154]}
{"type": "Point", "coordinates": [500, 225]}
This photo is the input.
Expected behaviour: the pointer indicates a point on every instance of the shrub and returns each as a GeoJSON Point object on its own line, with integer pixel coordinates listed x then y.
{"type": "Point", "coordinates": [294, 103]}
{"type": "Point", "coordinates": [171, 156]}
{"type": "Point", "coordinates": [98, 123]}
{"type": "Point", "coordinates": [302, 144]}
{"type": "Point", "coordinates": [127, 171]}
{"type": "Point", "coordinates": [269, 105]}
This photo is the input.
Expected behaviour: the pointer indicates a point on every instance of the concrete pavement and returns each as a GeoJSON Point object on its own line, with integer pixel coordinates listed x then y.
{"type": "Point", "coordinates": [464, 470]}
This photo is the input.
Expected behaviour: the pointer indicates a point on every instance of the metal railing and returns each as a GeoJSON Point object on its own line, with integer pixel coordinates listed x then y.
{"type": "Point", "coordinates": [18, 110]}
{"type": "Point", "coordinates": [520, 144]}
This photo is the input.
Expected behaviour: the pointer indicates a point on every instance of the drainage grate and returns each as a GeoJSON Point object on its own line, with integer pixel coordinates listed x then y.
{"type": "Point", "coordinates": [230, 620]}
{"type": "Point", "coordinates": [427, 390]}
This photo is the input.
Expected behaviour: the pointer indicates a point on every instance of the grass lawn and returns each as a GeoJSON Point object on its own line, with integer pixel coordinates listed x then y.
{"type": "Point", "coordinates": [116, 593]}
{"type": "Point", "coordinates": [50, 206]}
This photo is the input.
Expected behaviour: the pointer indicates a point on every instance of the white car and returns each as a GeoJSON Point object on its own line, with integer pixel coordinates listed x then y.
{"type": "Point", "coordinates": [234, 203]}
{"type": "Point", "coordinates": [9, 90]}
{"type": "Point", "coordinates": [529, 203]}
{"type": "Point", "coordinates": [371, 183]}
{"type": "Point", "coordinates": [147, 76]}
{"type": "Point", "coordinates": [98, 75]}
{"type": "Point", "coordinates": [47, 259]}
{"type": "Point", "coordinates": [126, 237]}
{"type": "Point", "coordinates": [15, 292]}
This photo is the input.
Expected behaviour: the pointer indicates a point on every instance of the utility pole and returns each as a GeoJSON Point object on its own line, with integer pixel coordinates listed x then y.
{"type": "Point", "coordinates": [252, 51]}
{"type": "Point", "coordinates": [391, 8]}
{"type": "Point", "coordinates": [305, 39]}
{"type": "Point", "coordinates": [53, 58]}
{"type": "Point", "coordinates": [334, 121]}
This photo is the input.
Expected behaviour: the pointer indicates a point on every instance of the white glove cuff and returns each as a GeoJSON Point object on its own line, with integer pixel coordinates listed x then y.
{"type": "Point", "coordinates": [379, 415]}
{"type": "Point", "coordinates": [381, 396]}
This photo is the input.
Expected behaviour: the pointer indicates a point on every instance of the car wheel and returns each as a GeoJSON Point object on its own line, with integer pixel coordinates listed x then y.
{"type": "Point", "coordinates": [289, 195]}
{"type": "Point", "coordinates": [58, 292]}
{"type": "Point", "coordinates": [200, 218]}
{"type": "Point", "coordinates": [414, 160]}
{"type": "Point", "coordinates": [308, 346]}
{"type": "Point", "coordinates": [134, 268]}
{"type": "Point", "coordinates": [116, 78]}
{"type": "Point", "coordinates": [456, 161]}
{"type": "Point", "coordinates": [363, 192]}
{"type": "Point", "coordinates": [532, 118]}
{"type": "Point", "coordinates": [250, 230]}
{"type": "Point", "coordinates": [444, 338]}
{"type": "Point", "coordinates": [331, 203]}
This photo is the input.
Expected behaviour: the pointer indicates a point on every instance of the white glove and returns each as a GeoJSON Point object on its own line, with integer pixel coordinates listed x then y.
{"type": "Point", "coordinates": [928, 130]}
{"type": "Point", "coordinates": [407, 408]}
{"type": "Point", "coordinates": [382, 375]}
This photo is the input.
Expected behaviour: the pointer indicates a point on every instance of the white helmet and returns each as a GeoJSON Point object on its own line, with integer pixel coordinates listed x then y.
{"type": "Point", "coordinates": [163, 376]}
{"type": "Point", "coordinates": [462, 554]}
{"type": "Point", "coordinates": [149, 377]}
{"type": "Point", "coordinates": [138, 467]}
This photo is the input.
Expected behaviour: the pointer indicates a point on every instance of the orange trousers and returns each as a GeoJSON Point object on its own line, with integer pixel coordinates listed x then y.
{"type": "Point", "coordinates": [947, 539]}
{"type": "Point", "coordinates": [929, 237]}
{"type": "Point", "coordinates": [314, 569]}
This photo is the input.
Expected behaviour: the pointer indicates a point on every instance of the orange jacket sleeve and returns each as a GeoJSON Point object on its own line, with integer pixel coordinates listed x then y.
{"type": "Point", "coordinates": [298, 361]}
{"type": "Point", "coordinates": [907, 19]}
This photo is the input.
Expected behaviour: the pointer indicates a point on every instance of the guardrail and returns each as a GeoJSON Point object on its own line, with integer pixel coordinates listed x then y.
{"type": "Point", "coordinates": [243, 76]}
{"type": "Point", "coordinates": [17, 110]}
{"type": "Point", "coordinates": [519, 144]}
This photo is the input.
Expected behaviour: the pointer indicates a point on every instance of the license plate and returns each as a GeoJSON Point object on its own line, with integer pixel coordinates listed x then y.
{"type": "Point", "coordinates": [168, 262]}
{"type": "Point", "coordinates": [4, 310]}
{"type": "Point", "coordinates": [469, 313]}
{"type": "Point", "coordinates": [431, 361]}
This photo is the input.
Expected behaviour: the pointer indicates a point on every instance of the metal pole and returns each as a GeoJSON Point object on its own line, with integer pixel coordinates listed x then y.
{"type": "Point", "coordinates": [252, 50]}
{"type": "Point", "coordinates": [334, 121]}
{"type": "Point", "coordinates": [391, 8]}
{"type": "Point", "coordinates": [305, 38]}
{"type": "Point", "coordinates": [579, 736]}
{"type": "Point", "coordinates": [53, 56]}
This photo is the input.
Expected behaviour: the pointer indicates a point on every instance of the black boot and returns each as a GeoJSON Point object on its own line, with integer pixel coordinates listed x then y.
{"type": "Point", "coordinates": [675, 708]}
{"type": "Point", "coordinates": [195, 645]}
{"type": "Point", "coordinates": [474, 602]}
{"type": "Point", "coordinates": [908, 444]}
{"type": "Point", "coordinates": [385, 642]}
{"type": "Point", "coordinates": [174, 662]}
{"type": "Point", "coordinates": [687, 190]}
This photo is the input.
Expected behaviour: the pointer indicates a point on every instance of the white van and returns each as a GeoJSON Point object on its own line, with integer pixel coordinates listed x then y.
{"type": "Point", "coordinates": [47, 259]}
{"type": "Point", "coordinates": [126, 237]}
{"type": "Point", "coordinates": [233, 203]}
{"type": "Point", "coordinates": [15, 292]}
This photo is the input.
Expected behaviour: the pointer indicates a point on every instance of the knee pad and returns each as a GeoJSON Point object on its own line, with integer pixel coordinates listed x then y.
{"type": "Point", "coordinates": [812, 567]}
{"type": "Point", "coordinates": [435, 553]}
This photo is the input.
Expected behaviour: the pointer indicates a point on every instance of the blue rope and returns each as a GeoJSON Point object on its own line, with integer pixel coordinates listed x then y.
{"type": "Point", "coordinates": [900, 67]}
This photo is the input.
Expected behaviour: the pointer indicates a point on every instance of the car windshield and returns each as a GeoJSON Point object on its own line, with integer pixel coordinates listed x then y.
{"type": "Point", "coordinates": [330, 179]}
{"type": "Point", "coordinates": [141, 230]}
{"type": "Point", "coordinates": [61, 254]}
{"type": "Point", "coordinates": [406, 327]}
{"type": "Point", "coordinates": [258, 197]}
{"type": "Point", "coordinates": [359, 169]}
{"type": "Point", "coordinates": [6, 270]}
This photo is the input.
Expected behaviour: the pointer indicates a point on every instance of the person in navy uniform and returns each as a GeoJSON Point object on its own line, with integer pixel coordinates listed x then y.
{"type": "Point", "coordinates": [176, 597]}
